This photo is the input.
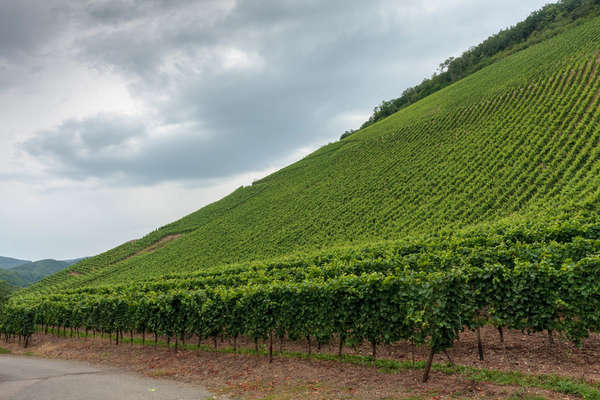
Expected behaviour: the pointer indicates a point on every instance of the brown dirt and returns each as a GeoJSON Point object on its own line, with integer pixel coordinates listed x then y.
{"type": "Point", "coordinates": [252, 377]}
{"type": "Point", "coordinates": [157, 245]}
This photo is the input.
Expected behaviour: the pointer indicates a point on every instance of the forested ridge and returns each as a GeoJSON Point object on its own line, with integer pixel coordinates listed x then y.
{"type": "Point", "coordinates": [551, 20]}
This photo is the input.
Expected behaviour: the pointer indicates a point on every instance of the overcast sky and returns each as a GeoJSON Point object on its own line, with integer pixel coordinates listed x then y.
{"type": "Point", "coordinates": [117, 117]}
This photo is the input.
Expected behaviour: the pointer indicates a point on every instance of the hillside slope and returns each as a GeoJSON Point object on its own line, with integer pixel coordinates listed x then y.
{"type": "Point", "coordinates": [29, 272]}
{"type": "Point", "coordinates": [519, 137]}
{"type": "Point", "coordinates": [5, 291]}
{"type": "Point", "coordinates": [7, 262]}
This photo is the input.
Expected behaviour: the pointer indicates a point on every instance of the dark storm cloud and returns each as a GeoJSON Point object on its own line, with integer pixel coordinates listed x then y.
{"type": "Point", "coordinates": [238, 86]}
{"type": "Point", "coordinates": [26, 25]}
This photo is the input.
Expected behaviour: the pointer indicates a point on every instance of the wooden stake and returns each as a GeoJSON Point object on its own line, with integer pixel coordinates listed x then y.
{"type": "Point", "coordinates": [270, 347]}
{"type": "Point", "coordinates": [479, 344]}
{"type": "Point", "coordinates": [501, 332]}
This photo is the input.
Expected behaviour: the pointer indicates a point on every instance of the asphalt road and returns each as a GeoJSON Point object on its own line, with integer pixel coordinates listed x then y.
{"type": "Point", "coordinates": [27, 378]}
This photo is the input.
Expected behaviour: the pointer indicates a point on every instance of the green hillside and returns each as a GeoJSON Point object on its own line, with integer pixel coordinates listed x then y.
{"type": "Point", "coordinates": [5, 291]}
{"type": "Point", "coordinates": [28, 272]}
{"type": "Point", "coordinates": [517, 137]}
{"type": "Point", "coordinates": [476, 205]}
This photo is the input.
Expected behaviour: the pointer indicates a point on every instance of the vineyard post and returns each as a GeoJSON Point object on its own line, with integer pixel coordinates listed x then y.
{"type": "Point", "coordinates": [479, 343]}
{"type": "Point", "coordinates": [270, 347]}
{"type": "Point", "coordinates": [374, 347]}
{"type": "Point", "coordinates": [550, 336]}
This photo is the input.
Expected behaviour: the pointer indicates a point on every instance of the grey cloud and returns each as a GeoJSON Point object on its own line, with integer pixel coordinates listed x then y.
{"type": "Point", "coordinates": [307, 62]}
{"type": "Point", "coordinates": [86, 148]}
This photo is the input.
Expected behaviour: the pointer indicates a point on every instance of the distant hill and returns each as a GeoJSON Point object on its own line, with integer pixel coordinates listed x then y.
{"type": "Point", "coordinates": [28, 272]}
{"type": "Point", "coordinates": [7, 262]}
{"type": "Point", "coordinates": [5, 291]}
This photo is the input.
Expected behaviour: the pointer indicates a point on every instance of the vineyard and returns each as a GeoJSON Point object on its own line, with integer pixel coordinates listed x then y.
{"type": "Point", "coordinates": [526, 277]}
{"type": "Point", "coordinates": [475, 206]}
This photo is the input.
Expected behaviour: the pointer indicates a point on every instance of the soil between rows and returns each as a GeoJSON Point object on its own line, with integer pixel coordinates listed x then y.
{"type": "Point", "coordinates": [252, 377]}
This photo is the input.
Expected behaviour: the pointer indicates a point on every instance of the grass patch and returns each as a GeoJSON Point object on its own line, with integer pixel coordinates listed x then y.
{"type": "Point", "coordinates": [160, 372]}
{"type": "Point", "coordinates": [520, 395]}
{"type": "Point", "coordinates": [4, 351]}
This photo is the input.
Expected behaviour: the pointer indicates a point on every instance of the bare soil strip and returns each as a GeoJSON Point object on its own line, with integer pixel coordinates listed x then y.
{"type": "Point", "coordinates": [252, 377]}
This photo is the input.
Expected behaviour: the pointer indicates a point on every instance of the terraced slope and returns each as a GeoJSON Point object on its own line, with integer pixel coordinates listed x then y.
{"type": "Point", "coordinates": [519, 137]}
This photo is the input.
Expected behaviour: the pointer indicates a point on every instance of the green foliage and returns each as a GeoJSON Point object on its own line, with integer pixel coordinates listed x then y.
{"type": "Point", "coordinates": [530, 276]}
{"type": "Point", "coordinates": [12, 278]}
{"type": "Point", "coordinates": [5, 291]}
